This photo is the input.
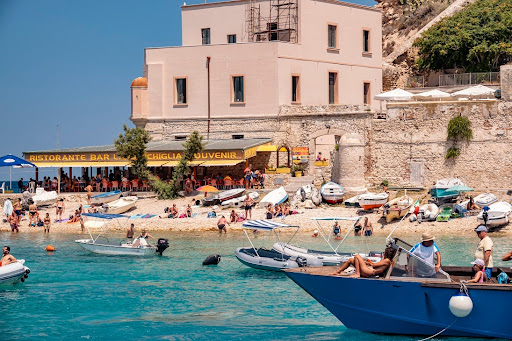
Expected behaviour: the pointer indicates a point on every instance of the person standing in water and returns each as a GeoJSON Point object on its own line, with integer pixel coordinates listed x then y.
{"type": "Point", "coordinates": [47, 223]}
{"type": "Point", "coordinates": [130, 232]}
{"type": "Point", "coordinates": [221, 224]}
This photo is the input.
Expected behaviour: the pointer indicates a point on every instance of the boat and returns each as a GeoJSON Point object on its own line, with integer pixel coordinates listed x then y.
{"type": "Point", "coordinates": [44, 198]}
{"type": "Point", "coordinates": [439, 192]}
{"type": "Point", "coordinates": [498, 214]}
{"type": "Point", "coordinates": [399, 303]}
{"type": "Point", "coordinates": [485, 199]}
{"type": "Point", "coordinates": [352, 202]}
{"type": "Point", "coordinates": [265, 259]}
{"type": "Point", "coordinates": [139, 246]}
{"type": "Point", "coordinates": [332, 192]}
{"type": "Point", "coordinates": [275, 197]}
{"type": "Point", "coordinates": [105, 197]}
{"type": "Point", "coordinates": [330, 257]}
{"type": "Point", "coordinates": [397, 207]}
{"type": "Point", "coordinates": [428, 212]}
{"type": "Point", "coordinates": [370, 201]}
{"type": "Point", "coordinates": [238, 202]}
{"type": "Point", "coordinates": [14, 273]}
{"type": "Point", "coordinates": [218, 198]}
{"type": "Point", "coordinates": [307, 192]}
{"type": "Point", "coordinates": [120, 205]}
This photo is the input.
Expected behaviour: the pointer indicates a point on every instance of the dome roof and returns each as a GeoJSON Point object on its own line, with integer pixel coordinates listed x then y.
{"type": "Point", "coordinates": [140, 81]}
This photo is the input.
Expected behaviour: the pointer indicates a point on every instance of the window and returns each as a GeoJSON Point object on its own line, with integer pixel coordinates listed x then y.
{"type": "Point", "coordinates": [333, 87]}
{"type": "Point", "coordinates": [181, 91]}
{"type": "Point", "coordinates": [366, 41]}
{"type": "Point", "coordinates": [231, 38]}
{"type": "Point", "coordinates": [238, 89]}
{"type": "Point", "coordinates": [272, 28]}
{"type": "Point", "coordinates": [331, 36]}
{"type": "Point", "coordinates": [295, 89]}
{"type": "Point", "coordinates": [205, 35]}
{"type": "Point", "coordinates": [366, 93]}
{"type": "Point", "coordinates": [180, 137]}
{"type": "Point", "coordinates": [237, 137]}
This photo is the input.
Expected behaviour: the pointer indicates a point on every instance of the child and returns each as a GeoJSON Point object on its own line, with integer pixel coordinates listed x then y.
{"type": "Point", "coordinates": [13, 220]}
{"type": "Point", "coordinates": [47, 223]}
{"type": "Point", "coordinates": [478, 267]}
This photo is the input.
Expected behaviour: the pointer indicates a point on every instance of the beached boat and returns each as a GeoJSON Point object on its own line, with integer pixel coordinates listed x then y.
{"type": "Point", "coordinates": [307, 192]}
{"type": "Point", "coordinates": [222, 196]}
{"type": "Point", "coordinates": [370, 201]}
{"type": "Point", "coordinates": [13, 273]}
{"type": "Point", "coordinates": [485, 199]}
{"type": "Point", "coordinates": [44, 198]}
{"type": "Point", "coordinates": [352, 202]}
{"type": "Point", "coordinates": [264, 259]}
{"type": "Point", "coordinates": [120, 205]}
{"type": "Point", "coordinates": [397, 208]}
{"type": "Point", "coordinates": [428, 212]}
{"type": "Point", "coordinates": [275, 197]}
{"type": "Point", "coordinates": [412, 305]}
{"type": "Point", "coordinates": [238, 202]}
{"type": "Point", "coordinates": [139, 246]}
{"type": "Point", "coordinates": [332, 192]}
{"type": "Point", "coordinates": [439, 192]}
{"type": "Point", "coordinates": [498, 214]}
{"type": "Point", "coordinates": [105, 197]}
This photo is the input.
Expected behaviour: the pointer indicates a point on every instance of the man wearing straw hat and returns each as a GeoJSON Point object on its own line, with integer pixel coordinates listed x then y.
{"type": "Point", "coordinates": [426, 251]}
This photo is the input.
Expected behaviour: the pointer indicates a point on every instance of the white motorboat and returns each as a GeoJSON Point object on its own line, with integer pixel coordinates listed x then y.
{"type": "Point", "coordinates": [139, 246]}
{"type": "Point", "coordinates": [326, 258]}
{"type": "Point", "coordinates": [370, 201]}
{"type": "Point", "coordinates": [275, 197]}
{"type": "Point", "coordinates": [264, 259]}
{"type": "Point", "coordinates": [222, 196]}
{"type": "Point", "coordinates": [498, 214]}
{"type": "Point", "coordinates": [238, 202]}
{"type": "Point", "coordinates": [485, 199]}
{"type": "Point", "coordinates": [13, 273]}
{"type": "Point", "coordinates": [44, 198]}
{"type": "Point", "coordinates": [429, 212]}
{"type": "Point", "coordinates": [105, 197]}
{"type": "Point", "coordinates": [332, 192]}
{"type": "Point", "coordinates": [120, 205]}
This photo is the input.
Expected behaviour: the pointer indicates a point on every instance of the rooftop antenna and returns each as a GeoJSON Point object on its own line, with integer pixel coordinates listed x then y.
{"type": "Point", "coordinates": [57, 136]}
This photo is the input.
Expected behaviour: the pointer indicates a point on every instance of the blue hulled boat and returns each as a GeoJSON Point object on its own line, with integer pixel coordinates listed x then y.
{"type": "Point", "coordinates": [399, 303]}
{"type": "Point", "coordinates": [105, 197]}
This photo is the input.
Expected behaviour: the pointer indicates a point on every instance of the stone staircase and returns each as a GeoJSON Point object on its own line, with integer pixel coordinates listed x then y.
{"type": "Point", "coordinates": [295, 183]}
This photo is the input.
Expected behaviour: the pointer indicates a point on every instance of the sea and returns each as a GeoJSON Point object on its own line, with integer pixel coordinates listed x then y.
{"type": "Point", "coordinates": [72, 294]}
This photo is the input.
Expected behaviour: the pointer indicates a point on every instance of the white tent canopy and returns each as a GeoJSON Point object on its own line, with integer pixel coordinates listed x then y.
{"type": "Point", "coordinates": [394, 95]}
{"type": "Point", "coordinates": [478, 90]}
{"type": "Point", "coordinates": [433, 94]}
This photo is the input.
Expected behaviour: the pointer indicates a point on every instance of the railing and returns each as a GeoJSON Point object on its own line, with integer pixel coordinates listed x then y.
{"type": "Point", "coordinates": [415, 82]}
{"type": "Point", "coordinates": [472, 78]}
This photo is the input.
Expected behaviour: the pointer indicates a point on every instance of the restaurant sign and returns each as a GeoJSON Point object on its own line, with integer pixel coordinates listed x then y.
{"type": "Point", "coordinates": [300, 154]}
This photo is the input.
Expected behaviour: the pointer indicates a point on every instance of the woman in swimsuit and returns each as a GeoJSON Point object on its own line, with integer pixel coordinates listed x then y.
{"type": "Point", "coordinates": [368, 268]}
{"type": "Point", "coordinates": [145, 235]}
{"type": "Point", "coordinates": [17, 210]}
{"type": "Point", "coordinates": [189, 211]}
{"type": "Point", "coordinates": [60, 209]}
{"type": "Point", "coordinates": [270, 211]}
{"type": "Point", "coordinates": [234, 216]}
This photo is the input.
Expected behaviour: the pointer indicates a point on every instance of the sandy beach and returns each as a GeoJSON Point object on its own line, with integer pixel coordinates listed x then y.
{"type": "Point", "coordinates": [149, 204]}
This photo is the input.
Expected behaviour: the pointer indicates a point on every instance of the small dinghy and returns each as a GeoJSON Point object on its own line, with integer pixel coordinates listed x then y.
{"type": "Point", "coordinates": [397, 208]}
{"type": "Point", "coordinates": [498, 214]}
{"type": "Point", "coordinates": [428, 212]}
{"type": "Point", "coordinates": [275, 197]}
{"type": "Point", "coordinates": [332, 192]}
{"type": "Point", "coordinates": [13, 273]}
{"type": "Point", "coordinates": [44, 198]}
{"type": "Point", "coordinates": [238, 202]}
{"type": "Point", "coordinates": [120, 205]}
{"type": "Point", "coordinates": [305, 193]}
{"type": "Point", "coordinates": [222, 196]}
{"type": "Point", "coordinates": [352, 202]}
{"type": "Point", "coordinates": [485, 199]}
{"type": "Point", "coordinates": [105, 197]}
{"type": "Point", "coordinates": [264, 259]}
{"type": "Point", "coordinates": [370, 201]}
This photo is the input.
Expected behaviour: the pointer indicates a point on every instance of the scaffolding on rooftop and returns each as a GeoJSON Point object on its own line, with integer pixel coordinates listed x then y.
{"type": "Point", "coordinates": [281, 24]}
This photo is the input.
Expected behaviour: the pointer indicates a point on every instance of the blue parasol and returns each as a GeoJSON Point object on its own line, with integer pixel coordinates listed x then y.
{"type": "Point", "coordinates": [10, 160]}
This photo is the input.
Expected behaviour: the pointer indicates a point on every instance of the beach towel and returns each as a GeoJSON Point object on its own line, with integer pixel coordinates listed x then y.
{"type": "Point", "coordinates": [136, 216]}
{"type": "Point", "coordinates": [240, 219]}
{"type": "Point", "coordinates": [148, 216]}
{"type": "Point", "coordinates": [194, 215]}
{"type": "Point", "coordinates": [183, 215]}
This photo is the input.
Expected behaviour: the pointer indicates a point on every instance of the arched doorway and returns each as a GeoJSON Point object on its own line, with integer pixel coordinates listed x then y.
{"type": "Point", "coordinates": [283, 156]}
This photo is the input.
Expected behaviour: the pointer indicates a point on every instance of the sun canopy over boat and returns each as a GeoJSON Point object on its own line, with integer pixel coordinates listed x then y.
{"type": "Point", "coordinates": [104, 215]}
{"type": "Point", "coordinates": [265, 225]}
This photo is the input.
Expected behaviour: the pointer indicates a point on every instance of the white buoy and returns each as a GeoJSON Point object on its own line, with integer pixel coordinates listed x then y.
{"type": "Point", "coordinates": [412, 217]}
{"type": "Point", "coordinates": [461, 305]}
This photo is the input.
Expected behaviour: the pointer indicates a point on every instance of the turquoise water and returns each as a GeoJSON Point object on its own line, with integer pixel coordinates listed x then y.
{"type": "Point", "coordinates": [74, 294]}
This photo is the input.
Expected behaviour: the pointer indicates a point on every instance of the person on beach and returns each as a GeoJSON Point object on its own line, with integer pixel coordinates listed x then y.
{"type": "Point", "coordinates": [221, 224]}
{"type": "Point", "coordinates": [47, 223]}
{"type": "Point", "coordinates": [189, 211]}
{"type": "Point", "coordinates": [88, 189]}
{"type": "Point", "coordinates": [471, 205]}
{"type": "Point", "coordinates": [278, 211]}
{"type": "Point", "coordinates": [188, 187]}
{"type": "Point", "coordinates": [336, 229]}
{"type": "Point", "coordinates": [286, 210]}
{"type": "Point", "coordinates": [368, 229]}
{"type": "Point", "coordinates": [7, 258]}
{"type": "Point", "coordinates": [13, 221]}
{"type": "Point", "coordinates": [426, 251]}
{"type": "Point", "coordinates": [33, 215]}
{"type": "Point", "coordinates": [478, 268]}
{"type": "Point", "coordinates": [60, 207]}
{"type": "Point", "coordinates": [20, 185]}
{"type": "Point", "coordinates": [270, 211]}
{"type": "Point", "coordinates": [234, 216]}
{"type": "Point", "coordinates": [368, 268]}
{"type": "Point", "coordinates": [248, 202]}
{"type": "Point", "coordinates": [484, 249]}
{"type": "Point", "coordinates": [130, 232]}
{"type": "Point", "coordinates": [174, 211]}
{"type": "Point", "coordinates": [17, 210]}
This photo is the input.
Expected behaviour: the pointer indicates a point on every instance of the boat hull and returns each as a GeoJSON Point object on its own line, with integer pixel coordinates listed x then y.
{"type": "Point", "coordinates": [408, 308]}
{"type": "Point", "coordinates": [116, 250]}
{"type": "Point", "coordinates": [13, 273]}
{"type": "Point", "coordinates": [264, 263]}
{"type": "Point", "coordinates": [332, 193]}
{"type": "Point", "coordinates": [105, 197]}
{"type": "Point", "coordinates": [275, 197]}
{"type": "Point", "coordinates": [120, 206]}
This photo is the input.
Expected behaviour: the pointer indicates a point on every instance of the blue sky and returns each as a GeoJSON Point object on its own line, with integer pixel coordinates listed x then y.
{"type": "Point", "coordinates": [70, 63]}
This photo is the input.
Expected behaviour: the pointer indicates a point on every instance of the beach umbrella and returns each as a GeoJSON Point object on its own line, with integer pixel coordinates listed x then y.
{"type": "Point", "coordinates": [476, 91]}
{"type": "Point", "coordinates": [206, 189]}
{"type": "Point", "coordinates": [11, 161]}
{"type": "Point", "coordinates": [395, 95]}
{"type": "Point", "coordinates": [433, 94]}
{"type": "Point", "coordinates": [460, 189]}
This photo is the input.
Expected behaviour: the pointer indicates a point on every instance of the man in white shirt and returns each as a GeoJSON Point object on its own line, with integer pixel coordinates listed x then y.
{"type": "Point", "coordinates": [484, 249]}
{"type": "Point", "coordinates": [426, 251]}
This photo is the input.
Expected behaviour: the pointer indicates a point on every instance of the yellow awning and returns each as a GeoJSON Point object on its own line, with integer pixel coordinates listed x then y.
{"type": "Point", "coordinates": [162, 163]}
{"type": "Point", "coordinates": [267, 148]}
{"type": "Point", "coordinates": [220, 163]}
{"type": "Point", "coordinates": [82, 164]}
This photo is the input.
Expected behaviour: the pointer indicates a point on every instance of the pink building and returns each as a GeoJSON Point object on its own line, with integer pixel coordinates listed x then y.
{"type": "Point", "coordinates": [246, 59]}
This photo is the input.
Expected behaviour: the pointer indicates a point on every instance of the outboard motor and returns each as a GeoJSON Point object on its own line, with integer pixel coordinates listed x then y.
{"type": "Point", "coordinates": [162, 245]}
{"type": "Point", "coordinates": [212, 260]}
{"type": "Point", "coordinates": [302, 261]}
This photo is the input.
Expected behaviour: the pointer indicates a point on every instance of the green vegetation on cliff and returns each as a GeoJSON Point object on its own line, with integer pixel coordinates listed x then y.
{"type": "Point", "coordinates": [478, 38]}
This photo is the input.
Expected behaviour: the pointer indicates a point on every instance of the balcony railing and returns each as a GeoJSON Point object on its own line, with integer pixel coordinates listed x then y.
{"type": "Point", "coordinates": [472, 78]}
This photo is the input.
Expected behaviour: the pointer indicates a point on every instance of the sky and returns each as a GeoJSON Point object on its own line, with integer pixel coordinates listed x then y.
{"type": "Point", "coordinates": [70, 63]}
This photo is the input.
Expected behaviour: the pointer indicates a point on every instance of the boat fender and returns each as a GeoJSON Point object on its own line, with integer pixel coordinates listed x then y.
{"type": "Point", "coordinates": [22, 279]}
{"type": "Point", "coordinates": [27, 271]}
{"type": "Point", "coordinates": [212, 260]}
{"type": "Point", "coordinates": [413, 217]}
{"type": "Point", "coordinates": [460, 305]}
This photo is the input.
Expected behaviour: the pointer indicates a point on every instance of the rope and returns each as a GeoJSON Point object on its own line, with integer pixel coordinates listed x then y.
{"type": "Point", "coordinates": [442, 331]}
